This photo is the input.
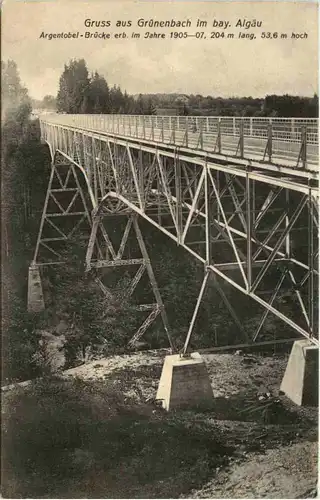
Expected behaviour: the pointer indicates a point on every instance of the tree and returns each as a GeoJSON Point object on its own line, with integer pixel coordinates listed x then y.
{"type": "Point", "coordinates": [13, 93]}
{"type": "Point", "coordinates": [99, 95]}
{"type": "Point", "coordinates": [129, 105]}
{"type": "Point", "coordinates": [74, 88]}
{"type": "Point", "coordinates": [150, 108]}
{"type": "Point", "coordinates": [117, 99]}
{"type": "Point", "coordinates": [49, 102]}
{"type": "Point", "coordinates": [139, 108]}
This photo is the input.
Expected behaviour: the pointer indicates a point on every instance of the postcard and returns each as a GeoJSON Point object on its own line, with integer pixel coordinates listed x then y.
{"type": "Point", "coordinates": [160, 275]}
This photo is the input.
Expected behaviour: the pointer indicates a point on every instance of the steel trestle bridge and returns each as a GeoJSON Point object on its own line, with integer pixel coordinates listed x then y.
{"type": "Point", "coordinates": [239, 194]}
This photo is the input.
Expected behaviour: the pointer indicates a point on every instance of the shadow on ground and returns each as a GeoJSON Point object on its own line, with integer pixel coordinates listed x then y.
{"type": "Point", "coordinates": [74, 439]}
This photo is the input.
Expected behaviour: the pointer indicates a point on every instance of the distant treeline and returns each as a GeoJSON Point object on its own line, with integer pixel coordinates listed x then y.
{"type": "Point", "coordinates": [271, 105]}
{"type": "Point", "coordinates": [80, 92]}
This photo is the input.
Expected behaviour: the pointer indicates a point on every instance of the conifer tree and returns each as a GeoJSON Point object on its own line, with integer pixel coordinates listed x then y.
{"type": "Point", "coordinates": [74, 88]}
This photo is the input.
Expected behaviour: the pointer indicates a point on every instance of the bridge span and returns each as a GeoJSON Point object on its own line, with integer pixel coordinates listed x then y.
{"type": "Point", "coordinates": [240, 195]}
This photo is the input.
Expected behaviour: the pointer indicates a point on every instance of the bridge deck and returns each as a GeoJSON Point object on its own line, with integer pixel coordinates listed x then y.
{"type": "Point", "coordinates": [284, 142]}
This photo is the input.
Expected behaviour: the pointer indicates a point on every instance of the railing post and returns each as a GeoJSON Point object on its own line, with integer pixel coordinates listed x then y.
{"type": "Point", "coordinates": [152, 127]}
{"type": "Point", "coordinates": [292, 128]}
{"type": "Point", "coordinates": [251, 129]}
{"type": "Point", "coordinates": [201, 134]}
{"type": "Point", "coordinates": [162, 129]}
{"type": "Point", "coordinates": [136, 119]}
{"type": "Point", "coordinates": [219, 136]}
{"type": "Point", "coordinates": [129, 125]}
{"type": "Point", "coordinates": [174, 130]}
{"type": "Point", "coordinates": [144, 126]}
{"type": "Point", "coordinates": [187, 132]}
{"type": "Point", "coordinates": [207, 120]}
{"type": "Point", "coordinates": [303, 148]}
{"type": "Point", "coordinates": [241, 138]}
{"type": "Point", "coordinates": [268, 149]}
{"type": "Point", "coordinates": [234, 125]}
{"type": "Point", "coordinates": [270, 141]}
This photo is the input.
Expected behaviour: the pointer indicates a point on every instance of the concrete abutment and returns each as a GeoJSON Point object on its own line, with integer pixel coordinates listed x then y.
{"type": "Point", "coordinates": [184, 383]}
{"type": "Point", "coordinates": [300, 382]}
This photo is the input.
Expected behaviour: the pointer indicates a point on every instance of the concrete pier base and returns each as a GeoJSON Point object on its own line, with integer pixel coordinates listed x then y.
{"type": "Point", "coordinates": [35, 294]}
{"type": "Point", "coordinates": [300, 381]}
{"type": "Point", "coordinates": [184, 383]}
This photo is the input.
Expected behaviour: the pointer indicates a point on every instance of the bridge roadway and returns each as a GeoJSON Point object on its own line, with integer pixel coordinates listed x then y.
{"type": "Point", "coordinates": [240, 195]}
{"type": "Point", "coordinates": [284, 142]}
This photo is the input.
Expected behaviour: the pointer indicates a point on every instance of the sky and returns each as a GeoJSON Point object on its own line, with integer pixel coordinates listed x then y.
{"type": "Point", "coordinates": [209, 66]}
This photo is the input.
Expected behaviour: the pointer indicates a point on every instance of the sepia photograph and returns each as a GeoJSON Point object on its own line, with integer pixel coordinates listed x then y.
{"type": "Point", "coordinates": [159, 249]}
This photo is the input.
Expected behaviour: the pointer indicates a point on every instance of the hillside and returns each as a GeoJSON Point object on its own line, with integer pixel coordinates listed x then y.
{"type": "Point", "coordinates": [97, 432]}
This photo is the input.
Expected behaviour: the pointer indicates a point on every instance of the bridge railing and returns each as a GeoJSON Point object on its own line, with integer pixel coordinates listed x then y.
{"type": "Point", "coordinates": [271, 139]}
